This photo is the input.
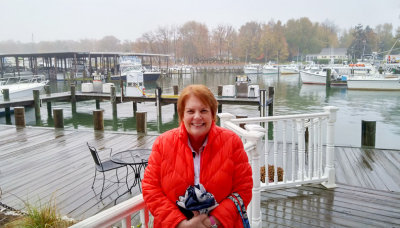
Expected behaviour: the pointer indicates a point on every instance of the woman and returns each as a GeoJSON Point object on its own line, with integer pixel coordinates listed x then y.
{"type": "Point", "coordinates": [198, 151]}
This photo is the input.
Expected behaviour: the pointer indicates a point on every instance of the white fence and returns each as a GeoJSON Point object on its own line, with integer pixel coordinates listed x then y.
{"type": "Point", "coordinates": [302, 145]}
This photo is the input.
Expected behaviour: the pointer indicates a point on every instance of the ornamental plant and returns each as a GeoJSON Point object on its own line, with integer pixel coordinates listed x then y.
{"type": "Point", "coordinates": [271, 170]}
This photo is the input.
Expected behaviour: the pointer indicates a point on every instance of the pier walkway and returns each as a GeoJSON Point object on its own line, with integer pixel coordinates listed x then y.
{"type": "Point", "coordinates": [38, 163]}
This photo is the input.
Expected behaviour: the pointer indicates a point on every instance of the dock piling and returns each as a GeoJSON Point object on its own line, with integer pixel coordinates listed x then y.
{"type": "Point", "coordinates": [58, 118]}
{"type": "Point", "coordinates": [48, 104]}
{"type": "Point", "coordinates": [220, 88]}
{"type": "Point", "coordinates": [158, 92]}
{"type": "Point", "coordinates": [19, 115]}
{"type": "Point", "coordinates": [368, 132]}
{"type": "Point", "coordinates": [113, 99]}
{"type": "Point", "coordinates": [98, 121]}
{"type": "Point", "coordinates": [36, 101]}
{"type": "Point", "coordinates": [6, 97]}
{"type": "Point", "coordinates": [141, 122]}
{"type": "Point", "coordinates": [175, 93]}
{"type": "Point", "coordinates": [328, 78]}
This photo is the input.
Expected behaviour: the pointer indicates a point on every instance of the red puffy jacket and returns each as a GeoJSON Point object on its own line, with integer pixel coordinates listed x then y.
{"type": "Point", "coordinates": [224, 169]}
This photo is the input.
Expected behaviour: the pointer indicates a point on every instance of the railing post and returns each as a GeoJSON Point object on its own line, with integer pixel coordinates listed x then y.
{"type": "Point", "coordinates": [225, 117]}
{"type": "Point", "coordinates": [255, 137]}
{"type": "Point", "coordinates": [330, 147]}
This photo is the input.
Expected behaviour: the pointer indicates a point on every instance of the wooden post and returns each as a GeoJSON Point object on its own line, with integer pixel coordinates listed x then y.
{"type": "Point", "coordinates": [19, 115]}
{"type": "Point", "coordinates": [6, 97]}
{"type": "Point", "coordinates": [58, 118]}
{"type": "Point", "coordinates": [271, 92]}
{"type": "Point", "coordinates": [175, 93]}
{"type": "Point", "coordinates": [141, 122]}
{"type": "Point", "coordinates": [113, 99]}
{"type": "Point", "coordinates": [48, 104]}
{"type": "Point", "coordinates": [328, 78]}
{"type": "Point", "coordinates": [36, 101]}
{"type": "Point", "coordinates": [98, 121]}
{"type": "Point", "coordinates": [158, 100]}
{"type": "Point", "coordinates": [368, 132]}
{"type": "Point", "coordinates": [97, 104]}
{"type": "Point", "coordinates": [73, 98]}
{"type": "Point", "coordinates": [263, 103]}
{"type": "Point", "coordinates": [134, 108]}
{"type": "Point", "coordinates": [220, 88]}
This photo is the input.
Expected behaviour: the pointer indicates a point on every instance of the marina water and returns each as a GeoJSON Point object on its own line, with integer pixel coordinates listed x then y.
{"type": "Point", "coordinates": [291, 97]}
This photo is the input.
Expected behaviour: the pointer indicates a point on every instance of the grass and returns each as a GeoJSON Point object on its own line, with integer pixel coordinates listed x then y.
{"type": "Point", "coordinates": [42, 216]}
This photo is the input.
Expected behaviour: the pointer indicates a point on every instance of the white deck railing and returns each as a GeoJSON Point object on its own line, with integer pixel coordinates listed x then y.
{"type": "Point", "coordinates": [303, 160]}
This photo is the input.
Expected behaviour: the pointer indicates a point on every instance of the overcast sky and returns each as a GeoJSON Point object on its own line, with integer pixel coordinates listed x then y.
{"type": "Point", "coordinates": [50, 20]}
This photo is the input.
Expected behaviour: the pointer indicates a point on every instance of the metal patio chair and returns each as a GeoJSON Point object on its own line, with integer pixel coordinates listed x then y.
{"type": "Point", "coordinates": [104, 166]}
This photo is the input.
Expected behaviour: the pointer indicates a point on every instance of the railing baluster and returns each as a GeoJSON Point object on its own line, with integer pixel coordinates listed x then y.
{"type": "Point", "coordinates": [310, 148]}
{"type": "Point", "coordinates": [316, 157]}
{"type": "Point", "coordinates": [320, 148]}
{"type": "Point", "coordinates": [300, 139]}
{"type": "Point", "coordinates": [284, 150]}
{"type": "Point", "coordinates": [266, 152]}
{"type": "Point", "coordinates": [293, 150]}
{"type": "Point", "coordinates": [275, 151]}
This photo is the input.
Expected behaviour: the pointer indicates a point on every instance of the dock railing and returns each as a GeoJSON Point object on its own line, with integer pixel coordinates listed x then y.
{"type": "Point", "coordinates": [302, 145]}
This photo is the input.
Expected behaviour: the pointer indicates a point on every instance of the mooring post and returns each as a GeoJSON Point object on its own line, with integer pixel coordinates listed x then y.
{"type": "Point", "coordinates": [58, 118]}
{"type": "Point", "coordinates": [36, 101]}
{"type": "Point", "coordinates": [6, 97]}
{"type": "Point", "coordinates": [141, 122]}
{"type": "Point", "coordinates": [175, 93]}
{"type": "Point", "coordinates": [97, 104]}
{"type": "Point", "coordinates": [368, 132]}
{"type": "Point", "coordinates": [19, 115]}
{"type": "Point", "coordinates": [48, 104]}
{"type": "Point", "coordinates": [263, 103]}
{"type": "Point", "coordinates": [328, 78]}
{"type": "Point", "coordinates": [73, 98]}
{"type": "Point", "coordinates": [134, 104]}
{"type": "Point", "coordinates": [158, 92]}
{"type": "Point", "coordinates": [98, 121]}
{"type": "Point", "coordinates": [220, 88]}
{"type": "Point", "coordinates": [113, 99]}
{"type": "Point", "coordinates": [271, 92]}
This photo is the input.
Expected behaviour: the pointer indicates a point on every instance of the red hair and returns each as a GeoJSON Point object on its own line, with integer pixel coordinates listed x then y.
{"type": "Point", "coordinates": [203, 93]}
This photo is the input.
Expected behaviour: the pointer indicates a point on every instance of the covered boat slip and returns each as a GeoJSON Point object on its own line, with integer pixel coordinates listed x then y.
{"type": "Point", "coordinates": [38, 163]}
{"type": "Point", "coordinates": [53, 63]}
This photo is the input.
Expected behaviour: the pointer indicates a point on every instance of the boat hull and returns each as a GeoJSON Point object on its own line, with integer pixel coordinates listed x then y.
{"type": "Point", "coordinates": [390, 84]}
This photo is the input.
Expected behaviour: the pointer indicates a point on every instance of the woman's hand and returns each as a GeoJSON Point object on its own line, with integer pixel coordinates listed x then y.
{"type": "Point", "coordinates": [195, 222]}
{"type": "Point", "coordinates": [207, 221]}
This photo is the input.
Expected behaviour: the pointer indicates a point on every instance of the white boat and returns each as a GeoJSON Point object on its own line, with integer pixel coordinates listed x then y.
{"type": "Point", "coordinates": [132, 72]}
{"type": "Point", "coordinates": [289, 69]}
{"type": "Point", "coordinates": [22, 86]}
{"type": "Point", "coordinates": [270, 69]}
{"type": "Point", "coordinates": [374, 82]}
{"type": "Point", "coordinates": [252, 68]}
{"type": "Point", "coordinates": [180, 69]}
{"type": "Point", "coordinates": [319, 77]}
{"type": "Point", "coordinates": [151, 73]}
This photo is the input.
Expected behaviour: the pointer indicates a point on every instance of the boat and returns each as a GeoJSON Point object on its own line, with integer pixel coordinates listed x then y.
{"type": "Point", "coordinates": [270, 69]}
{"type": "Point", "coordinates": [22, 86]}
{"type": "Point", "coordinates": [151, 73]}
{"type": "Point", "coordinates": [180, 69]}
{"type": "Point", "coordinates": [374, 82]}
{"type": "Point", "coordinates": [319, 77]}
{"type": "Point", "coordinates": [252, 68]}
{"type": "Point", "coordinates": [289, 69]}
{"type": "Point", "coordinates": [132, 65]}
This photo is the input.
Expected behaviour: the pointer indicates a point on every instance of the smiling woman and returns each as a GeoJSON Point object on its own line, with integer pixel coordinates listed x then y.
{"type": "Point", "coordinates": [197, 153]}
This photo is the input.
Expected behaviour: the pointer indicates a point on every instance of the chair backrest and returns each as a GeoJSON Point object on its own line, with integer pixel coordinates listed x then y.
{"type": "Point", "coordinates": [95, 155]}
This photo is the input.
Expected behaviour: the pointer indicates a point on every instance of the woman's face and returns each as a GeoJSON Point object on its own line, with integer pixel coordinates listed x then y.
{"type": "Point", "coordinates": [197, 118]}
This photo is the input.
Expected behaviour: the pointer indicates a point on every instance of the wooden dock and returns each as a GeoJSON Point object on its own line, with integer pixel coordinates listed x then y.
{"type": "Point", "coordinates": [37, 163]}
{"type": "Point", "coordinates": [79, 96]}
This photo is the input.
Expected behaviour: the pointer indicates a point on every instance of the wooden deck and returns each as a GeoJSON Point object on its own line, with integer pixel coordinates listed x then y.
{"type": "Point", "coordinates": [38, 163]}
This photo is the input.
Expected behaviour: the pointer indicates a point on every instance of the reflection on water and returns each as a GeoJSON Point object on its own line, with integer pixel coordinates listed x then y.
{"type": "Point", "coordinates": [291, 97]}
